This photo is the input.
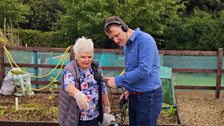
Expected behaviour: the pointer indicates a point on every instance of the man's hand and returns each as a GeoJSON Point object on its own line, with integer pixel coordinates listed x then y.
{"type": "Point", "coordinates": [110, 82]}
{"type": "Point", "coordinates": [123, 100]}
{"type": "Point", "coordinates": [81, 100]}
{"type": "Point", "coordinates": [124, 95]}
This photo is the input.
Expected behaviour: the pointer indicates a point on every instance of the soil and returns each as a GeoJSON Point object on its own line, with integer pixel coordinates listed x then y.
{"type": "Point", "coordinates": [39, 107]}
{"type": "Point", "coordinates": [196, 109]}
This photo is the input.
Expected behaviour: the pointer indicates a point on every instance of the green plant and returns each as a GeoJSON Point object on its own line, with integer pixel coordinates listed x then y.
{"type": "Point", "coordinates": [2, 112]}
{"type": "Point", "coordinates": [51, 89]}
{"type": "Point", "coordinates": [169, 110]}
{"type": "Point", "coordinates": [172, 111]}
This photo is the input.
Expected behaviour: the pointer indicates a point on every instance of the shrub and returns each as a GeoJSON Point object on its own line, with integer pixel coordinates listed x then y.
{"type": "Point", "coordinates": [41, 39]}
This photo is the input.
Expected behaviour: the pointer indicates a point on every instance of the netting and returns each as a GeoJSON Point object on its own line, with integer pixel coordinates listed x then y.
{"type": "Point", "coordinates": [199, 62]}
{"type": "Point", "coordinates": [105, 59]}
{"type": "Point", "coordinates": [115, 59]}
{"type": "Point", "coordinates": [194, 62]}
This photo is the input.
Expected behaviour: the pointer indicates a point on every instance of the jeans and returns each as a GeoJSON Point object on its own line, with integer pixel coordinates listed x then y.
{"type": "Point", "coordinates": [93, 122]}
{"type": "Point", "coordinates": [144, 109]}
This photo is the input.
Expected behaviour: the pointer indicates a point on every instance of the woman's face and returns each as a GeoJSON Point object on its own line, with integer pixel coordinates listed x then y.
{"type": "Point", "coordinates": [84, 59]}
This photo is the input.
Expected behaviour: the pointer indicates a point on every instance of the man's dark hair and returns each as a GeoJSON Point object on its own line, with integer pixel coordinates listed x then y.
{"type": "Point", "coordinates": [115, 20]}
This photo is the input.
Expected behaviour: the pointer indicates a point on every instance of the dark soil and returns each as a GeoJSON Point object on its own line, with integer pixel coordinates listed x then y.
{"type": "Point", "coordinates": [39, 107]}
{"type": "Point", "coordinates": [42, 107]}
{"type": "Point", "coordinates": [196, 109]}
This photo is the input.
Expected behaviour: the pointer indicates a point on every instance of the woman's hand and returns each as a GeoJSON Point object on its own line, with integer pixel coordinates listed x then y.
{"type": "Point", "coordinates": [106, 109]}
{"type": "Point", "coordinates": [81, 100]}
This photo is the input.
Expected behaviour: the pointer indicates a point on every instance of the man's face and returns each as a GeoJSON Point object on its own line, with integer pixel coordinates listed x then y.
{"type": "Point", "coordinates": [118, 35]}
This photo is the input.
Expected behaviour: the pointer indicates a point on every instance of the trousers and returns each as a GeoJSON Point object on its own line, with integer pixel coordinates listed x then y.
{"type": "Point", "coordinates": [144, 108]}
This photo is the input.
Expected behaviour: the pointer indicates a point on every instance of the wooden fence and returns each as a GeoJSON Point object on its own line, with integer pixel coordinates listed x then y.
{"type": "Point", "coordinates": [218, 71]}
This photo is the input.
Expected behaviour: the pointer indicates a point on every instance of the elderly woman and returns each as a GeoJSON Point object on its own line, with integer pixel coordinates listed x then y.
{"type": "Point", "coordinates": [83, 95]}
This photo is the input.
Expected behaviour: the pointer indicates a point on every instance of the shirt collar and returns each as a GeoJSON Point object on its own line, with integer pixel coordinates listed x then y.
{"type": "Point", "coordinates": [133, 36]}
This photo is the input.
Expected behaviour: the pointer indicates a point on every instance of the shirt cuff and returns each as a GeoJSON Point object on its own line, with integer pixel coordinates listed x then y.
{"type": "Point", "coordinates": [118, 81]}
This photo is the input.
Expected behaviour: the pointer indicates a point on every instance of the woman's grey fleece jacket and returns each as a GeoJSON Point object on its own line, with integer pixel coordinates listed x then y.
{"type": "Point", "coordinates": [68, 109]}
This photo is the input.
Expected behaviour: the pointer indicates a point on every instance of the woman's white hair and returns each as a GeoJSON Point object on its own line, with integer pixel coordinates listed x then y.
{"type": "Point", "coordinates": [83, 45]}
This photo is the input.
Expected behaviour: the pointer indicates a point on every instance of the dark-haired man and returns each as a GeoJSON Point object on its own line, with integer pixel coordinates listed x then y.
{"type": "Point", "coordinates": [142, 72]}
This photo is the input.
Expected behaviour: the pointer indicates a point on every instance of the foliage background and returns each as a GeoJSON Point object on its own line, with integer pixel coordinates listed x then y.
{"type": "Point", "coordinates": [175, 24]}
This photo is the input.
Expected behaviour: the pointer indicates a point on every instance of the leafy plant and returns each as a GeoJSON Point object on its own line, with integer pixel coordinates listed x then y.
{"type": "Point", "coordinates": [2, 112]}
{"type": "Point", "coordinates": [169, 110]}
{"type": "Point", "coordinates": [172, 111]}
{"type": "Point", "coordinates": [51, 89]}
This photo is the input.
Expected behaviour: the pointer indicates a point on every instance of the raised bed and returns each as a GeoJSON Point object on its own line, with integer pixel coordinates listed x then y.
{"type": "Point", "coordinates": [13, 118]}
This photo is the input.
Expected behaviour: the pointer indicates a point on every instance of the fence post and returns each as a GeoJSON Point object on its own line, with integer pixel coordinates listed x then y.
{"type": "Point", "coordinates": [4, 27]}
{"type": "Point", "coordinates": [2, 69]}
{"type": "Point", "coordinates": [72, 54]}
{"type": "Point", "coordinates": [35, 61]}
{"type": "Point", "coordinates": [219, 73]}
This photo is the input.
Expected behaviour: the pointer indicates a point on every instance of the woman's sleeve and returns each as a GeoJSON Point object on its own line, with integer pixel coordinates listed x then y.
{"type": "Point", "coordinates": [68, 78]}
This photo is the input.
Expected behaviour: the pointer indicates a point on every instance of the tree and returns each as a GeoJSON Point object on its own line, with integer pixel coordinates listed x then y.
{"type": "Point", "coordinates": [206, 5]}
{"type": "Point", "coordinates": [86, 17]}
{"type": "Point", "coordinates": [3, 39]}
{"type": "Point", "coordinates": [197, 32]}
{"type": "Point", "coordinates": [13, 10]}
{"type": "Point", "coordinates": [44, 15]}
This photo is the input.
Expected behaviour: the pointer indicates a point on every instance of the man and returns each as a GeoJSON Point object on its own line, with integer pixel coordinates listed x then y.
{"type": "Point", "coordinates": [142, 72]}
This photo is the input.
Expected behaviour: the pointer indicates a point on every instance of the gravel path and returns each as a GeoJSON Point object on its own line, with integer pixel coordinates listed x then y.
{"type": "Point", "coordinates": [201, 109]}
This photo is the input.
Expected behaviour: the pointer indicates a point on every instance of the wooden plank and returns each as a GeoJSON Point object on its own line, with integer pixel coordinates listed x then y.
{"type": "Point", "coordinates": [197, 87]}
{"type": "Point", "coordinates": [49, 49]}
{"type": "Point", "coordinates": [171, 125]}
{"type": "Point", "coordinates": [2, 68]}
{"type": "Point", "coordinates": [190, 53]}
{"type": "Point", "coordinates": [34, 65]}
{"type": "Point", "coordinates": [38, 49]}
{"type": "Point", "coordinates": [112, 68]}
{"type": "Point", "coordinates": [43, 82]}
{"type": "Point", "coordinates": [179, 113]}
{"type": "Point", "coordinates": [46, 91]}
{"type": "Point", "coordinates": [189, 70]}
{"type": "Point", "coordinates": [115, 94]}
{"type": "Point", "coordinates": [27, 123]}
{"type": "Point", "coordinates": [72, 54]}
{"type": "Point", "coordinates": [117, 51]}
{"type": "Point", "coordinates": [157, 125]}
{"type": "Point", "coordinates": [41, 123]}
{"type": "Point", "coordinates": [219, 73]}
{"type": "Point", "coordinates": [53, 66]}
{"type": "Point", "coordinates": [46, 123]}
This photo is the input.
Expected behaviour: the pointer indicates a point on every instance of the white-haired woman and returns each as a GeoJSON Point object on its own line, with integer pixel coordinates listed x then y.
{"type": "Point", "coordinates": [83, 95]}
